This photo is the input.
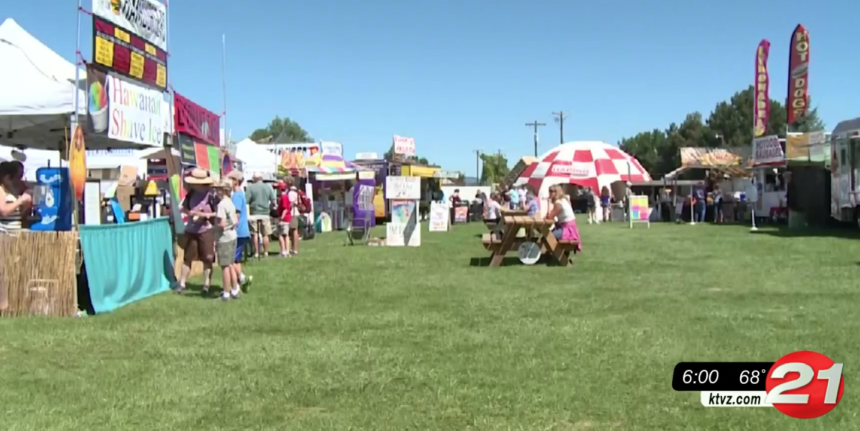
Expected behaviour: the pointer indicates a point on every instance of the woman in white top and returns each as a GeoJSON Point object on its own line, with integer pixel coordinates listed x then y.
{"type": "Point", "coordinates": [562, 213]}
{"type": "Point", "coordinates": [494, 208]}
{"type": "Point", "coordinates": [12, 199]}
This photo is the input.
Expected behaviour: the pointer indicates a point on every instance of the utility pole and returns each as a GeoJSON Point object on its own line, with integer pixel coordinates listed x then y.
{"type": "Point", "coordinates": [536, 124]}
{"type": "Point", "coordinates": [559, 117]}
{"type": "Point", "coordinates": [477, 166]}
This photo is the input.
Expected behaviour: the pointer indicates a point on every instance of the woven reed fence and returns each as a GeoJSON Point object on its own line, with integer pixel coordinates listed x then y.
{"type": "Point", "coordinates": [38, 274]}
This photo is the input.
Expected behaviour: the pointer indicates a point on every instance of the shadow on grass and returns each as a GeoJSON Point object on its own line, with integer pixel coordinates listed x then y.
{"type": "Point", "coordinates": [485, 261]}
{"type": "Point", "coordinates": [811, 232]}
{"type": "Point", "coordinates": [195, 291]}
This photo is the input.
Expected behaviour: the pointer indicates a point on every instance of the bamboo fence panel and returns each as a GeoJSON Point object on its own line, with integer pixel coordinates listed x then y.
{"type": "Point", "coordinates": [38, 274]}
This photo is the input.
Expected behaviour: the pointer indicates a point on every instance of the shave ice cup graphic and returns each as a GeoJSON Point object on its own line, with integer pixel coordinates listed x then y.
{"type": "Point", "coordinates": [98, 107]}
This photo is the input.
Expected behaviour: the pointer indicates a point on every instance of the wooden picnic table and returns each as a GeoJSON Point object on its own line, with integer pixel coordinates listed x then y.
{"type": "Point", "coordinates": [537, 230]}
{"type": "Point", "coordinates": [499, 227]}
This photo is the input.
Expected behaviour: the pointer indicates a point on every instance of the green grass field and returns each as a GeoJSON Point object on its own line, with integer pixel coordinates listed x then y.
{"type": "Point", "coordinates": [374, 338]}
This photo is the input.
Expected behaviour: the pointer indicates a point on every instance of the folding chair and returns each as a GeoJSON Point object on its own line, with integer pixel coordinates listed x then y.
{"type": "Point", "coordinates": [358, 229]}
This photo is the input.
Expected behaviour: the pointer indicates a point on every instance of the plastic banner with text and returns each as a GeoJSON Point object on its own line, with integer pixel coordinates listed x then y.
{"type": "Point", "coordinates": [196, 121]}
{"type": "Point", "coordinates": [117, 49]}
{"type": "Point", "coordinates": [404, 145]}
{"type": "Point", "coordinates": [767, 151]}
{"type": "Point", "coordinates": [144, 18]}
{"type": "Point", "coordinates": [761, 111]}
{"type": "Point", "coordinates": [122, 110]}
{"type": "Point", "coordinates": [798, 75]}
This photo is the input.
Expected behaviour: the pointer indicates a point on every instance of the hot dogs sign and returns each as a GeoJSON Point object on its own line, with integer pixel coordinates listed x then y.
{"type": "Point", "coordinates": [798, 75]}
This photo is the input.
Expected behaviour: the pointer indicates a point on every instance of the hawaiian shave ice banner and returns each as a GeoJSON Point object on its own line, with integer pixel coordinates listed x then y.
{"type": "Point", "coordinates": [120, 109]}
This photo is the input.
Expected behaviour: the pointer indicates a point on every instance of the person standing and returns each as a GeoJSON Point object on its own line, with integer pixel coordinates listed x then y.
{"type": "Point", "coordinates": [199, 205]}
{"type": "Point", "coordinates": [606, 203]}
{"type": "Point", "coordinates": [700, 204]}
{"type": "Point", "coordinates": [718, 204]}
{"type": "Point", "coordinates": [261, 197]}
{"type": "Point", "coordinates": [285, 217]}
{"type": "Point", "coordinates": [296, 200]}
{"type": "Point", "coordinates": [532, 204]}
{"type": "Point", "coordinates": [243, 229]}
{"type": "Point", "coordinates": [225, 246]}
{"type": "Point", "coordinates": [515, 198]}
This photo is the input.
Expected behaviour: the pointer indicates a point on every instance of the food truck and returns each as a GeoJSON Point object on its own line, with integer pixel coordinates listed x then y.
{"type": "Point", "coordinates": [845, 171]}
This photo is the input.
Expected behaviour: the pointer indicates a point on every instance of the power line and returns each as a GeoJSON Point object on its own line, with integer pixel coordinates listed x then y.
{"type": "Point", "coordinates": [559, 117]}
{"type": "Point", "coordinates": [536, 124]}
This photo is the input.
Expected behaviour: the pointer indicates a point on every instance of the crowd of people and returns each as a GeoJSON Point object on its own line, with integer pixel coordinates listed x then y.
{"type": "Point", "coordinates": [224, 218]}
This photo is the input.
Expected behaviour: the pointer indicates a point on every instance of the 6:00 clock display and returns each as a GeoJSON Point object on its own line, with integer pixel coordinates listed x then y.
{"type": "Point", "coordinates": [720, 376]}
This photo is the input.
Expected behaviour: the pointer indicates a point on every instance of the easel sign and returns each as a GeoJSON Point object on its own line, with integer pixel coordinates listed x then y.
{"type": "Point", "coordinates": [402, 188]}
{"type": "Point", "coordinates": [438, 217]}
{"type": "Point", "coordinates": [403, 194]}
{"type": "Point", "coordinates": [638, 210]}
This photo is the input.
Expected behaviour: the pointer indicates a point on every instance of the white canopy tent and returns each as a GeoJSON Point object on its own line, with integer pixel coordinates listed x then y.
{"type": "Point", "coordinates": [256, 159]}
{"type": "Point", "coordinates": [38, 94]}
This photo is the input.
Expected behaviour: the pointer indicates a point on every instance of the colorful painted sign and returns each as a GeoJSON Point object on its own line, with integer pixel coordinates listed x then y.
{"type": "Point", "coordinates": [761, 111]}
{"type": "Point", "coordinates": [404, 229]}
{"type": "Point", "coordinates": [122, 110]}
{"type": "Point", "coordinates": [117, 49]}
{"type": "Point", "coordinates": [639, 210]}
{"type": "Point", "coordinates": [798, 75]}
{"type": "Point", "coordinates": [196, 121]}
{"type": "Point", "coordinates": [362, 201]}
{"type": "Point", "coordinates": [767, 151]}
{"type": "Point", "coordinates": [78, 162]}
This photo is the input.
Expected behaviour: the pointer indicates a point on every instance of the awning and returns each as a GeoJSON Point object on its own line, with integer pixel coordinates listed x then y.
{"type": "Point", "coordinates": [420, 171]}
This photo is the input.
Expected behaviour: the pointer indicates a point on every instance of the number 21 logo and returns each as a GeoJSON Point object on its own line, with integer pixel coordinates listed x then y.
{"type": "Point", "coordinates": [805, 384]}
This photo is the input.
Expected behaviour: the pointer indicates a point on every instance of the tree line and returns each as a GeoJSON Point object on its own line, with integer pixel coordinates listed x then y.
{"type": "Point", "coordinates": [728, 125]}
{"type": "Point", "coordinates": [286, 131]}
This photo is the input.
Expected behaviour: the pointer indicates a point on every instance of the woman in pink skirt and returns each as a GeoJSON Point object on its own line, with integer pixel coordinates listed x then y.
{"type": "Point", "coordinates": [562, 213]}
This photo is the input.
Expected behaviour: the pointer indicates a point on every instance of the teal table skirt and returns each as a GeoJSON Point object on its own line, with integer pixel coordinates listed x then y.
{"type": "Point", "coordinates": [127, 262]}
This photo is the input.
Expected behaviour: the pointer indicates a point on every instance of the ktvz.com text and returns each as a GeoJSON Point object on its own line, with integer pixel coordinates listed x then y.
{"type": "Point", "coordinates": [735, 399]}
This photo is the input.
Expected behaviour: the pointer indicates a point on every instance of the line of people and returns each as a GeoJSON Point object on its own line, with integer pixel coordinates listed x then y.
{"type": "Point", "coordinates": [224, 217]}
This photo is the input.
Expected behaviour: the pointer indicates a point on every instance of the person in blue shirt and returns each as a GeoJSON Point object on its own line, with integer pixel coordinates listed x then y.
{"type": "Point", "coordinates": [243, 231]}
{"type": "Point", "coordinates": [700, 195]}
{"type": "Point", "coordinates": [531, 204]}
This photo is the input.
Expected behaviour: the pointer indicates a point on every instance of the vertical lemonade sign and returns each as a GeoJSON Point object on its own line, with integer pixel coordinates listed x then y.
{"type": "Point", "coordinates": [761, 111]}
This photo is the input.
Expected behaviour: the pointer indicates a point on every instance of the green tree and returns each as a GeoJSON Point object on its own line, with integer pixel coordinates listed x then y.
{"type": "Point", "coordinates": [282, 131]}
{"type": "Point", "coordinates": [733, 119]}
{"type": "Point", "coordinates": [495, 168]}
{"type": "Point", "coordinates": [810, 122]}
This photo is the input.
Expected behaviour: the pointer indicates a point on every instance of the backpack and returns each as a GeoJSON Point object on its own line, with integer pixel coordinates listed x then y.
{"type": "Point", "coordinates": [304, 202]}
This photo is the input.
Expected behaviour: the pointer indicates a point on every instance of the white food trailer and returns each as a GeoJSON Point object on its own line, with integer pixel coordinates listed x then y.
{"type": "Point", "coordinates": [845, 171]}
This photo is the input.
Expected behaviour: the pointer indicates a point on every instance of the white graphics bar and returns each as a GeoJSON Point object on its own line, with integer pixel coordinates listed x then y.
{"type": "Point", "coordinates": [735, 399]}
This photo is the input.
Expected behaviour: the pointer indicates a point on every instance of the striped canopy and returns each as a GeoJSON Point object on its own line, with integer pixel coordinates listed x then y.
{"type": "Point", "coordinates": [333, 164]}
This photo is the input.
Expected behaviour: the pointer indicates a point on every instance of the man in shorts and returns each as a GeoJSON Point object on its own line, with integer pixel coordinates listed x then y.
{"type": "Point", "coordinates": [260, 196]}
{"type": "Point", "coordinates": [285, 217]}
{"type": "Point", "coordinates": [225, 245]}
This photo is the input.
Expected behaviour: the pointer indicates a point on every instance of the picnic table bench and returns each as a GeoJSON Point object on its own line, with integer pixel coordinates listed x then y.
{"type": "Point", "coordinates": [498, 226]}
{"type": "Point", "coordinates": [537, 234]}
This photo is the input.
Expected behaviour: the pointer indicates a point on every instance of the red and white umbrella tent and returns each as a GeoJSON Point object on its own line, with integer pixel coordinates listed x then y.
{"type": "Point", "coordinates": [592, 164]}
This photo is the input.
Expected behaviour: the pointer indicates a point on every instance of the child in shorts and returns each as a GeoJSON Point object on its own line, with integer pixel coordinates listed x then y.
{"type": "Point", "coordinates": [225, 246]}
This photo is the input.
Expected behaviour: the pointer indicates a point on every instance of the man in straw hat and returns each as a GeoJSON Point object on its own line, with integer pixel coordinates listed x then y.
{"type": "Point", "coordinates": [199, 205]}
{"type": "Point", "coordinates": [225, 247]}
{"type": "Point", "coordinates": [261, 197]}
{"type": "Point", "coordinates": [243, 230]}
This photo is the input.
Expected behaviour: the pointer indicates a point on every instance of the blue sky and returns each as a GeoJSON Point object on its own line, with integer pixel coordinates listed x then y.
{"type": "Point", "coordinates": [460, 76]}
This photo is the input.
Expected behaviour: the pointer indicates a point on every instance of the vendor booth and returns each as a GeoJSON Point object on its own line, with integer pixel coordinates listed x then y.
{"type": "Point", "coordinates": [117, 264]}
{"type": "Point", "coordinates": [334, 181]}
{"type": "Point", "coordinates": [256, 159]}
{"type": "Point", "coordinates": [731, 167]}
